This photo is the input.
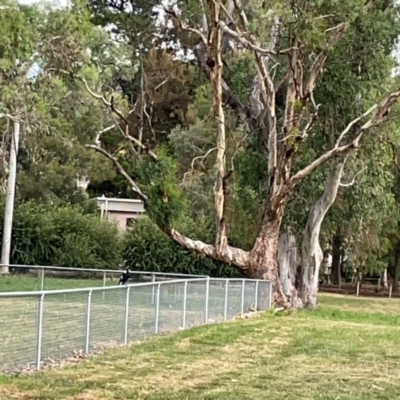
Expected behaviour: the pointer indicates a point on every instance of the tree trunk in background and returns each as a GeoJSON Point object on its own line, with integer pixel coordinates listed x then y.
{"type": "Point", "coordinates": [287, 260]}
{"type": "Point", "coordinates": [336, 256]}
{"type": "Point", "coordinates": [341, 267]}
{"type": "Point", "coordinates": [384, 280]}
{"type": "Point", "coordinates": [10, 196]}
{"type": "Point", "coordinates": [311, 252]}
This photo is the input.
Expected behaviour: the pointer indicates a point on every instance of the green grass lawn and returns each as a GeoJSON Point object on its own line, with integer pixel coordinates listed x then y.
{"type": "Point", "coordinates": [22, 282]}
{"type": "Point", "coordinates": [347, 349]}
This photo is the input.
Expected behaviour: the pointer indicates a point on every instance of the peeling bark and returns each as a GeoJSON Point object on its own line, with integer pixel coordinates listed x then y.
{"type": "Point", "coordinates": [232, 255]}
{"type": "Point", "coordinates": [263, 261]}
{"type": "Point", "coordinates": [311, 252]}
{"type": "Point", "coordinates": [287, 259]}
{"type": "Point", "coordinates": [220, 189]}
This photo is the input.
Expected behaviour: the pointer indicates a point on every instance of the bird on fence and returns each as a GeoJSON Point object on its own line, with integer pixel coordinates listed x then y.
{"type": "Point", "coordinates": [124, 277]}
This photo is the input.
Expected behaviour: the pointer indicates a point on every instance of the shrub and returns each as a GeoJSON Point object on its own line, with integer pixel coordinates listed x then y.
{"type": "Point", "coordinates": [63, 236]}
{"type": "Point", "coordinates": [147, 248]}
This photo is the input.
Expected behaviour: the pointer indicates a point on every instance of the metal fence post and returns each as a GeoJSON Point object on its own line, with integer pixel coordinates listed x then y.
{"type": "Point", "coordinates": [39, 332]}
{"type": "Point", "coordinates": [184, 305]}
{"type": "Point", "coordinates": [157, 308]}
{"type": "Point", "coordinates": [270, 295]}
{"type": "Point", "coordinates": [42, 279]}
{"type": "Point", "coordinates": [256, 296]}
{"type": "Point", "coordinates": [242, 298]}
{"type": "Point", "coordinates": [88, 316]}
{"type": "Point", "coordinates": [153, 279]}
{"type": "Point", "coordinates": [226, 300]}
{"type": "Point", "coordinates": [104, 283]}
{"type": "Point", "coordinates": [207, 300]}
{"type": "Point", "coordinates": [126, 319]}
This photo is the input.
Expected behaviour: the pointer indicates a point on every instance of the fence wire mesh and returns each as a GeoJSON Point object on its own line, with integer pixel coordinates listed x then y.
{"type": "Point", "coordinates": [63, 329]}
{"type": "Point", "coordinates": [18, 332]}
{"type": "Point", "coordinates": [35, 278]}
{"type": "Point", "coordinates": [46, 327]}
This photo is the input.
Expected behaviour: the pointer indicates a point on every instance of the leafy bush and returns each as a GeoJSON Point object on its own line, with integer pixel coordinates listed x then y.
{"type": "Point", "coordinates": [147, 248]}
{"type": "Point", "coordinates": [64, 236]}
{"type": "Point", "coordinates": [71, 236]}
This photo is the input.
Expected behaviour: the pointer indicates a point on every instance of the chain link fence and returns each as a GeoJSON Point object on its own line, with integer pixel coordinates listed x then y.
{"type": "Point", "coordinates": [42, 327]}
{"type": "Point", "coordinates": [37, 277]}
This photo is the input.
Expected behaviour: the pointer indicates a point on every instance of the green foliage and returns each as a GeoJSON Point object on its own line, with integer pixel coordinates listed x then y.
{"type": "Point", "coordinates": [60, 117]}
{"type": "Point", "coordinates": [63, 236]}
{"type": "Point", "coordinates": [166, 203]}
{"type": "Point", "coordinates": [147, 248]}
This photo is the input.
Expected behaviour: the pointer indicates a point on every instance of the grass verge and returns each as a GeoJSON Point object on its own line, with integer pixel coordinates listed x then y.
{"type": "Point", "coordinates": [23, 282]}
{"type": "Point", "coordinates": [347, 349]}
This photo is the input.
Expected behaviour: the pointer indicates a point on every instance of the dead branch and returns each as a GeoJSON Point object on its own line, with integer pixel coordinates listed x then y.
{"type": "Point", "coordinates": [242, 14]}
{"type": "Point", "coordinates": [115, 110]}
{"type": "Point", "coordinates": [313, 117]}
{"type": "Point", "coordinates": [185, 26]}
{"type": "Point", "coordinates": [120, 168]}
{"type": "Point", "coordinates": [202, 158]}
{"type": "Point", "coordinates": [95, 95]}
{"type": "Point", "coordinates": [248, 44]}
{"type": "Point", "coordinates": [353, 180]}
{"type": "Point", "coordinates": [109, 128]}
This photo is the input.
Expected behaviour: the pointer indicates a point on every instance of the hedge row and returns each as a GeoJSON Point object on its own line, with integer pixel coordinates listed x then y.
{"type": "Point", "coordinates": [70, 236]}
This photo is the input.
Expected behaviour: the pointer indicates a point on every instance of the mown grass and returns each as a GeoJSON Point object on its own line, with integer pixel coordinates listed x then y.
{"type": "Point", "coordinates": [347, 349]}
{"type": "Point", "coordinates": [22, 282]}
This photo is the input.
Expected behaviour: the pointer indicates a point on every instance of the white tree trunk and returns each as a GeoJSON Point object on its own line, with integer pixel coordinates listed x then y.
{"type": "Point", "coordinates": [384, 280]}
{"type": "Point", "coordinates": [311, 252]}
{"type": "Point", "coordinates": [9, 208]}
{"type": "Point", "coordinates": [287, 260]}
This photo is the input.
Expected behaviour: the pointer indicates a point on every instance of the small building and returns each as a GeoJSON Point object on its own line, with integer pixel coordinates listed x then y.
{"type": "Point", "coordinates": [120, 210]}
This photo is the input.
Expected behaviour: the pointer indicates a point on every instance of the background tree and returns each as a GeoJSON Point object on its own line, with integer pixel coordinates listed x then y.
{"type": "Point", "coordinates": [287, 110]}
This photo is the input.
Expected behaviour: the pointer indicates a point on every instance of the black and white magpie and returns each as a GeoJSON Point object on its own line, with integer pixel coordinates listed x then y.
{"type": "Point", "coordinates": [124, 278]}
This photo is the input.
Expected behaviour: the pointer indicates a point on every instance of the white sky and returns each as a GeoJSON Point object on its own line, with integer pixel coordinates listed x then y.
{"type": "Point", "coordinates": [59, 3]}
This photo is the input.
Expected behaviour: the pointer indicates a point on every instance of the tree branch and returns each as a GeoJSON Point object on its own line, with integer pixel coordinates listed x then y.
{"type": "Point", "coordinates": [121, 170]}
{"type": "Point", "coordinates": [145, 149]}
{"type": "Point", "coordinates": [231, 255]}
{"type": "Point", "coordinates": [382, 111]}
{"type": "Point", "coordinates": [202, 158]}
{"type": "Point", "coordinates": [248, 44]}
{"type": "Point", "coordinates": [186, 27]}
{"type": "Point", "coordinates": [354, 179]}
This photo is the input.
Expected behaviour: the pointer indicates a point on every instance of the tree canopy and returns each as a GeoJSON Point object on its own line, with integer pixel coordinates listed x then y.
{"type": "Point", "coordinates": [229, 119]}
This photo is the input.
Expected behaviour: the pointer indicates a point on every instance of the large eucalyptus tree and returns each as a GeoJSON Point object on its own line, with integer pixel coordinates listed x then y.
{"type": "Point", "coordinates": [296, 52]}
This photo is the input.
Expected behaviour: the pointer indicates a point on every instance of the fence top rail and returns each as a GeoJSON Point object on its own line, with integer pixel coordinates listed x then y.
{"type": "Point", "coordinates": [239, 279]}
{"type": "Point", "coordinates": [101, 270]}
{"type": "Point", "coordinates": [38, 293]}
